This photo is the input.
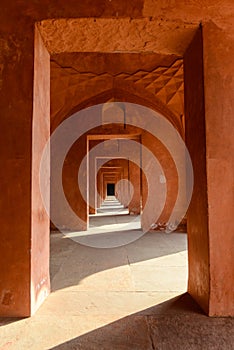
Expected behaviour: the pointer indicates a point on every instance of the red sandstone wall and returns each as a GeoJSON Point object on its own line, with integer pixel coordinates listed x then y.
{"type": "Point", "coordinates": [92, 188]}
{"type": "Point", "coordinates": [135, 179]}
{"type": "Point", "coordinates": [168, 166]}
{"type": "Point", "coordinates": [70, 185]}
{"type": "Point", "coordinates": [40, 277]}
{"type": "Point", "coordinates": [198, 241]}
{"type": "Point", "coordinates": [209, 136]}
{"type": "Point", "coordinates": [16, 101]}
{"type": "Point", "coordinates": [219, 104]}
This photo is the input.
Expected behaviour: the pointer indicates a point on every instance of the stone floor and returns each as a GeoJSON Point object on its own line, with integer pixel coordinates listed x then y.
{"type": "Point", "coordinates": [128, 297]}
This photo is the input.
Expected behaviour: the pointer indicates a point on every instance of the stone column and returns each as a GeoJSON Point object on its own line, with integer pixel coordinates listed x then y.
{"type": "Point", "coordinates": [219, 110]}
{"type": "Point", "coordinates": [209, 111]}
{"type": "Point", "coordinates": [99, 188]}
{"type": "Point", "coordinates": [76, 192]}
{"type": "Point", "coordinates": [134, 178]}
{"type": "Point", "coordinates": [25, 126]}
{"type": "Point", "coordinates": [198, 236]}
{"type": "Point", "coordinates": [92, 184]}
{"type": "Point", "coordinates": [40, 223]}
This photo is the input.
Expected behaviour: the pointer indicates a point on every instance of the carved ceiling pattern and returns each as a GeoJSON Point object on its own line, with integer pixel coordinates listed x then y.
{"type": "Point", "coordinates": [166, 83]}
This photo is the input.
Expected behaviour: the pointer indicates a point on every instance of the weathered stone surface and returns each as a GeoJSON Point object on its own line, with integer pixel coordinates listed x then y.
{"type": "Point", "coordinates": [210, 265]}
{"type": "Point", "coordinates": [111, 63]}
{"type": "Point", "coordinates": [219, 104]}
{"type": "Point", "coordinates": [185, 332]}
{"type": "Point", "coordinates": [116, 35]}
{"type": "Point", "coordinates": [189, 10]}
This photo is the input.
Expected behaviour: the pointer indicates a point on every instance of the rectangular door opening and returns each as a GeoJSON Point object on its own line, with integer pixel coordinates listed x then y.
{"type": "Point", "coordinates": [110, 190]}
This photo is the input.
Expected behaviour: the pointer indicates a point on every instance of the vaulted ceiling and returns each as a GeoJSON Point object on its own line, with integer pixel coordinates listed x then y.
{"type": "Point", "coordinates": [76, 77]}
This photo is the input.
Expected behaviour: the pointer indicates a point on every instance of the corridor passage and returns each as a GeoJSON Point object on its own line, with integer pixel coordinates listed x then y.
{"type": "Point", "coordinates": [111, 205]}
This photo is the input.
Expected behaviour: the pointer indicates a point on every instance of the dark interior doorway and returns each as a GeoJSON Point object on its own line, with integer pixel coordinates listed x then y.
{"type": "Point", "coordinates": [110, 189]}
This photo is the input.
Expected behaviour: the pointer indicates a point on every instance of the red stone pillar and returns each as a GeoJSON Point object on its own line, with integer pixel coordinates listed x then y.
{"type": "Point", "coordinates": [40, 223]}
{"type": "Point", "coordinates": [135, 180]}
{"type": "Point", "coordinates": [198, 235]}
{"type": "Point", "coordinates": [209, 135]}
{"type": "Point", "coordinates": [92, 184]}
{"type": "Point", "coordinates": [24, 250]}
{"type": "Point", "coordinates": [161, 153]}
{"type": "Point", "coordinates": [76, 193]}
{"type": "Point", "coordinates": [99, 188]}
{"type": "Point", "coordinates": [92, 174]}
{"type": "Point", "coordinates": [219, 108]}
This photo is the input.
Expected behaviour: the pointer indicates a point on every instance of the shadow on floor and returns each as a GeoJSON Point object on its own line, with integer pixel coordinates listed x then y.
{"type": "Point", "coordinates": [177, 324]}
{"type": "Point", "coordinates": [72, 262]}
{"type": "Point", "coordinates": [4, 321]}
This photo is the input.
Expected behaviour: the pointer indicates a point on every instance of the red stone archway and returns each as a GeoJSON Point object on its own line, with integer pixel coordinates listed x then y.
{"type": "Point", "coordinates": [22, 294]}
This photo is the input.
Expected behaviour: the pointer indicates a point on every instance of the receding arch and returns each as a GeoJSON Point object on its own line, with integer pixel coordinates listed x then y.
{"type": "Point", "coordinates": [140, 96]}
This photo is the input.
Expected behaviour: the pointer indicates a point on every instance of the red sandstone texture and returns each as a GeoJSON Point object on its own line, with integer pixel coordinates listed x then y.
{"type": "Point", "coordinates": [164, 28]}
